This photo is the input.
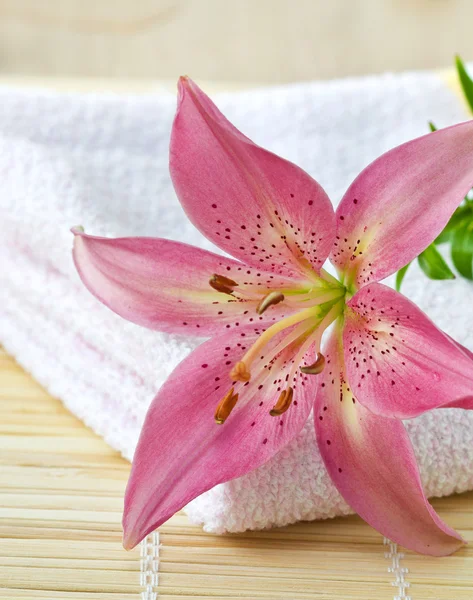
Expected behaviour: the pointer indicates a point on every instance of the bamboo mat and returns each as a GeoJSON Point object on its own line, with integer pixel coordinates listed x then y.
{"type": "Point", "coordinates": [61, 493]}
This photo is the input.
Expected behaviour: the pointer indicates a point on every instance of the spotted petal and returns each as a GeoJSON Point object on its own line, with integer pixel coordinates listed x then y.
{"type": "Point", "coordinates": [164, 285]}
{"type": "Point", "coordinates": [256, 206]}
{"type": "Point", "coordinates": [401, 202]}
{"type": "Point", "coordinates": [399, 364]}
{"type": "Point", "coordinates": [182, 452]}
{"type": "Point", "coordinates": [371, 461]}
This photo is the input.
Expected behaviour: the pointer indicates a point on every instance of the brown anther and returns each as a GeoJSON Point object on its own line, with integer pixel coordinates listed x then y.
{"type": "Point", "coordinates": [225, 407]}
{"type": "Point", "coordinates": [316, 367]}
{"type": "Point", "coordinates": [269, 300]}
{"type": "Point", "coordinates": [283, 403]}
{"type": "Point", "coordinates": [222, 284]}
{"type": "Point", "coordinates": [240, 372]}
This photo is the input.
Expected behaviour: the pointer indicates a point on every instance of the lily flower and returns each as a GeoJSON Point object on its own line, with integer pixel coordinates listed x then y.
{"type": "Point", "coordinates": [244, 394]}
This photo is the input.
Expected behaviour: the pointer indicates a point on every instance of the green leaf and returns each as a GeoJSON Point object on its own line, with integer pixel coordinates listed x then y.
{"type": "Point", "coordinates": [400, 276]}
{"type": "Point", "coordinates": [444, 237]}
{"type": "Point", "coordinates": [432, 127]}
{"type": "Point", "coordinates": [466, 81]}
{"type": "Point", "coordinates": [434, 265]}
{"type": "Point", "coordinates": [462, 249]}
{"type": "Point", "coordinates": [462, 214]}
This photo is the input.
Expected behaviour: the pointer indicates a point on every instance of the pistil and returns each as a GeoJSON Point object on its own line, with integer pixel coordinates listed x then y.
{"type": "Point", "coordinates": [241, 370]}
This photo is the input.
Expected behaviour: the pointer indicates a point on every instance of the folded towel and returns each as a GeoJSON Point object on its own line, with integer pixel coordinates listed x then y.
{"type": "Point", "coordinates": [101, 161]}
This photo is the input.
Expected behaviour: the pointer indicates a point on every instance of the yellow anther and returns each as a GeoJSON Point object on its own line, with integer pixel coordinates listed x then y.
{"type": "Point", "coordinates": [225, 407]}
{"type": "Point", "coordinates": [269, 300]}
{"type": "Point", "coordinates": [316, 367]}
{"type": "Point", "coordinates": [283, 403]}
{"type": "Point", "coordinates": [222, 284]}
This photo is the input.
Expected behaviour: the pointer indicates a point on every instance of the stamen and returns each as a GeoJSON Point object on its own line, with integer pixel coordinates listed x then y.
{"type": "Point", "coordinates": [298, 334]}
{"type": "Point", "coordinates": [327, 277]}
{"type": "Point", "coordinates": [240, 372]}
{"type": "Point", "coordinates": [222, 284]}
{"type": "Point", "coordinates": [316, 297]}
{"type": "Point", "coordinates": [243, 367]}
{"type": "Point", "coordinates": [315, 368]}
{"type": "Point", "coordinates": [269, 300]}
{"type": "Point", "coordinates": [225, 407]}
{"type": "Point", "coordinates": [273, 362]}
{"type": "Point", "coordinates": [283, 403]}
{"type": "Point", "coordinates": [313, 337]}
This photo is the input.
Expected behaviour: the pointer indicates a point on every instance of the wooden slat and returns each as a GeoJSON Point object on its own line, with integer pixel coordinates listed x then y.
{"type": "Point", "coordinates": [61, 490]}
{"type": "Point", "coordinates": [244, 40]}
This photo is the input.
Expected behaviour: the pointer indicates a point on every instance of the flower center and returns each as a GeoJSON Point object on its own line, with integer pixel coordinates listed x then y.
{"type": "Point", "coordinates": [314, 309]}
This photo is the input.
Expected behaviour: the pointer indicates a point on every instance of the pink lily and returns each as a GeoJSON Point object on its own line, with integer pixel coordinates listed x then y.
{"type": "Point", "coordinates": [244, 394]}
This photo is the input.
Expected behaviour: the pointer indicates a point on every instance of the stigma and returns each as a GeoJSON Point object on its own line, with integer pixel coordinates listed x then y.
{"type": "Point", "coordinates": [240, 372]}
{"type": "Point", "coordinates": [225, 407]}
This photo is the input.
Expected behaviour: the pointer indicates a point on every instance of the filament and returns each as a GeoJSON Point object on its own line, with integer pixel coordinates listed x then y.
{"type": "Point", "coordinates": [267, 335]}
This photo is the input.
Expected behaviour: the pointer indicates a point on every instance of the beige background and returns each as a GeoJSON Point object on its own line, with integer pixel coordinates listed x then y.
{"type": "Point", "coordinates": [238, 40]}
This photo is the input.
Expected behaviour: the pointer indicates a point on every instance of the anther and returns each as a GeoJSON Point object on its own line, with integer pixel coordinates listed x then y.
{"type": "Point", "coordinates": [225, 407]}
{"type": "Point", "coordinates": [269, 300]}
{"type": "Point", "coordinates": [222, 284]}
{"type": "Point", "coordinates": [283, 403]}
{"type": "Point", "coordinates": [316, 367]}
{"type": "Point", "coordinates": [240, 372]}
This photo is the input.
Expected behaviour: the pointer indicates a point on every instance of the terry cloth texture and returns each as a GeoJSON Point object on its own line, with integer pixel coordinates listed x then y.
{"type": "Point", "coordinates": [101, 161]}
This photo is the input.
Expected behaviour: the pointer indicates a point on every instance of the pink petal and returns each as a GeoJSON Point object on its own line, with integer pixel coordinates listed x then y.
{"type": "Point", "coordinates": [164, 285]}
{"type": "Point", "coordinates": [401, 202]}
{"type": "Point", "coordinates": [465, 350]}
{"type": "Point", "coordinates": [371, 461]}
{"type": "Point", "coordinates": [465, 403]}
{"type": "Point", "coordinates": [182, 452]}
{"type": "Point", "coordinates": [399, 364]}
{"type": "Point", "coordinates": [253, 204]}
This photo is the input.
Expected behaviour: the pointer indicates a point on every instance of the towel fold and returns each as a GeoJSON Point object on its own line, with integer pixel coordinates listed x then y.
{"type": "Point", "coordinates": [101, 161]}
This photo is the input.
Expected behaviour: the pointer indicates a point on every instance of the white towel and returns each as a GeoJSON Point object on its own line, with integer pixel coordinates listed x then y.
{"type": "Point", "coordinates": [101, 161]}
